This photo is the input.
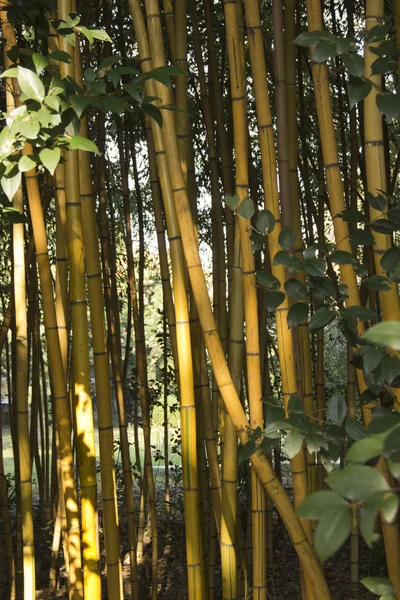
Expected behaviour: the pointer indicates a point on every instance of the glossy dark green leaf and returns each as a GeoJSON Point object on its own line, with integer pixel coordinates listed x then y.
{"type": "Point", "coordinates": [154, 113]}
{"type": "Point", "coordinates": [273, 300]}
{"type": "Point", "coordinates": [13, 215]}
{"type": "Point", "coordinates": [340, 257]}
{"type": "Point", "coordinates": [391, 259]}
{"type": "Point", "coordinates": [324, 50]}
{"type": "Point", "coordinates": [246, 451]}
{"type": "Point", "coordinates": [354, 63]}
{"type": "Point", "coordinates": [357, 90]}
{"type": "Point", "coordinates": [384, 226]}
{"type": "Point", "coordinates": [355, 430]}
{"type": "Point", "coordinates": [390, 368]}
{"type": "Point", "coordinates": [297, 313]}
{"type": "Point", "coordinates": [308, 39]}
{"type": "Point", "coordinates": [321, 318]}
{"type": "Point", "coordinates": [378, 202]}
{"type": "Point", "coordinates": [377, 282]}
{"type": "Point", "coordinates": [389, 105]}
{"type": "Point", "coordinates": [337, 409]}
{"type": "Point", "coordinates": [360, 237]}
{"type": "Point", "coordinates": [383, 65]}
{"type": "Point", "coordinates": [361, 312]}
{"type": "Point", "coordinates": [351, 215]}
{"type": "Point", "coordinates": [286, 238]}
{"type": "Point", "coordinates": [371, 357]}
{"type": "Point", "coordinates": [268, 280]}
{"type": "Point", "coordinates": [295, 405]}
{"type": "Point", "coordinates": [315, 266]}
{"type": "Point", "coordinates": [324, 286]}
{"type": "Point", "coordinates": [295, 289]}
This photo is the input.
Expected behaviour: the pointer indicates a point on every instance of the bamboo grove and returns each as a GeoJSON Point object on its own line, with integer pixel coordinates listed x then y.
{"type": "Point", "coordinates": [243, 157]}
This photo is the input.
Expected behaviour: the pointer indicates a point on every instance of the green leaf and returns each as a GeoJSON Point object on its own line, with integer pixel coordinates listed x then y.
{"type": "Point", "coordinates": [13, 215]}
{"type": "Point", "coordinates": [60, 55]}
{"type": "Point", "coordinates": [78, 102]}
{"type": "Point", "coordinates": [317, 504]}
{"type": "Point", "coordinates": [295, 405]}
{"type": "Point", "coordinates": [354, 63]}
{"type": "Point", "coordinates": [293, 442]}
{"type": "Point", "coordinates": [357, 482]}
{"type": "Point", "coordinates": [286, 238]}
{"type": "Point", "coordinates": [360, 237]}
{"type": "Point", "coordinates": [99, 34]}
{"type": "Point", "coordinates": [50, 158]}
{"type": "Point", "coordinates": [268, 280]}
{"type": "Point", "coordinates": [10, 185]}
{"type": "Point", "coordinates": [357, 90]}
{"type": "Point", "coordinates": [378, 202]}
{"type": "Point", "coordinates": [389, 105]}
{"type": "Point", "coordinates": [383, 65]}
{"type": "Point", "coordinates": [371, 357]}
{"type": "Point", "coordinates": [377, 282]}
{"type": "Point", "coordinates": [321, 318]}
{"type": "Point", "coordinates": [324, 286]}
{"type": "Point", "coordinates": [364, 450]}
{"type": "Point", "coordinates": [30, 84]}
{"type": "Point", "coordinates": [324, 50]}
{"type": "Point", "coordinates": [391, 259]}
{"type": "Point", "coordinates": [315, 266]}
{"type": "Point", "coordinates": [13, 72]}
{"type": "Point", "coordinates": [332, 531]}
{"type": "Point", "coordinates": [297, 313]}
{"type": "Point", "coordinates": [78, 142]}
{"type": "Point", "coordinates": [246, 451]}
{"type": "Point", "coordinates": [378, 585]}
{"type": "Point", "coordinates": [29, 128]}
{"type": "Point", "coordinates": [385, 334]}
{"type": "Point", "coordinates": [232, 201]}
{"type": "Point", "coordinates": [154, 113]}
{"type": "Point", "coordinates": [246, 208]}
{"type": "Point", "coordinates": [337, 409]}
{"type": "Point", "coordinates": [316, 441]}
{"type": "Point", "coordinates": [53, 102]}
{"type": "Point", "coordinates": [390, 368]}
{"type": "Point", "coordinates": [355, 430]}
{"type": "Point", "coordinates": [340, 257]}
{"type": "Point", "coordinates": [384, 226]}
{"type": "Point", "coordinates": [394, 468]}
{"type": "Point", "coordinates": [40, 62]}
{"type": "Point", "coordinates": [361, 312]}
{"type": "Point", "coordinates": [295, 289]}
{"type": "Point", "coordinates": [351, 215]}
{"type": "Point", "coordinates": [258, 240]}
{"type": "Point", "coordinates": [25, 163]}
{"type": "Point", "coordinates": [273, 300]}
{"type": "Point", "coordinates": [308, 39]}
{"type": "Point", "coordinates": [265, 221]}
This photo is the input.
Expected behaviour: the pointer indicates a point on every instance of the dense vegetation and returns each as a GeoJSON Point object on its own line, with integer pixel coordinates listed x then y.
{"type": "Point", "coordinates": [200, 221]}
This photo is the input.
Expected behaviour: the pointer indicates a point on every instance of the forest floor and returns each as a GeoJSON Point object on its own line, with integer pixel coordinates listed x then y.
{"type": "Point", "coordinates": [283, 577]}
